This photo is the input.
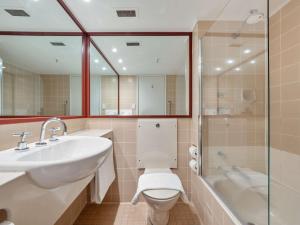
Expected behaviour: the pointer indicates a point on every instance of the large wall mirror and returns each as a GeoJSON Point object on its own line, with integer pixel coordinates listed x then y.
{"type": "Point", "coordinates": [40, 75]}
{"type": "Point", "coordinates": [153, 73]}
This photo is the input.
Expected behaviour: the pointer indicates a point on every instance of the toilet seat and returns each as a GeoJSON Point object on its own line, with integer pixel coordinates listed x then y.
{"type": "Point", "coordinates": [161, 194]}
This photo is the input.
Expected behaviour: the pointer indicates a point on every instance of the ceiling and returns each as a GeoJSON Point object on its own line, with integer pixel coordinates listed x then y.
{"type": "Point", "coordinates": [100, 15]}
{"type": "Point", "coordinates": [45, 15]}
{"type": "Point", "coordinates": [36, 54]}
{"type": "Point", "coordinates": [155, 55]}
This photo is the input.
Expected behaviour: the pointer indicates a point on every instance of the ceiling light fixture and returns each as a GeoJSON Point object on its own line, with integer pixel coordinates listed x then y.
{"type": "Point", "coordinates": [247, 51]}
{"type": "Point", "coordinates": [237, 69]}
{"type": "Point", "coordinates": [124, 68]}
{"type": "Point", "coordinates": [96, 61]}
{"type": "Point", "coordinates": [252, 61]}
{"type": "Point", "coordinates": [120, 60]}
{"type": "Point", "coordinates": [86, 0]}
{"type": "Point", "coordinates": [104, 68]}
{"type": "Point", "coordinates": [218, 69]}
{"type": "Point", "coordinates": [230, 61]}
{"type": "Point", "coordinates": [114, 50]}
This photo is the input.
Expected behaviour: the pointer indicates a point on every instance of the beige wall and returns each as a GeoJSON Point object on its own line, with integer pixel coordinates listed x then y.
{"type": "Point", "coordinates": [56, 94]}
{"type": "Point", "coordinates": [20, 91]}
{"type": "Point", "coordinates": [128, 93]}
{"type": "Point", "coordinates": [109, 93]}
{"type": "Point", "coordinates": [285, 114]}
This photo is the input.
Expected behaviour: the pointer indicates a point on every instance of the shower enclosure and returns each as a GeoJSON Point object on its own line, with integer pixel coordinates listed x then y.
{"type": "Point", "coordinates": [250, 123]}
{"type": "Point", "coordinates": [234, 114]}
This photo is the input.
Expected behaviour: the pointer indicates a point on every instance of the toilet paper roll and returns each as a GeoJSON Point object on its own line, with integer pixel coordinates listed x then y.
{"type": "Point", "coordinates": [193, 152]}
{"type": "Point", "coordinates": [7, 223]}
{"type": "Point", "coordinates": [194, 165]}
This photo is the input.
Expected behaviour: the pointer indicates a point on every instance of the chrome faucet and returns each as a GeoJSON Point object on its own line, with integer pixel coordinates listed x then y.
{"type": "Point", "coordinates": [44, 126]}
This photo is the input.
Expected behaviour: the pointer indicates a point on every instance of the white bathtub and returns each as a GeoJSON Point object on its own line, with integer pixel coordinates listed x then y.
{"type": "Point", "coordinates": [246, 193]}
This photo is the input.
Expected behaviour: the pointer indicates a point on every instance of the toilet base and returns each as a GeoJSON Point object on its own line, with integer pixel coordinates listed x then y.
{"type": "Point", "coordinates": [157, 217]}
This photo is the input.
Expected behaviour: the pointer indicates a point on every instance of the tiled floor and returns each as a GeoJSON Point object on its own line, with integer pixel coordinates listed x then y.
{"type": "Point", "coordinates": [127, 214]}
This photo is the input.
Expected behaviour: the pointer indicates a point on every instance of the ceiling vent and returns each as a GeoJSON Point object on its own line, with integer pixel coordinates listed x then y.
{"type": "Point", "coordinates": [130, 44]}
{"type": "Point", "coordinates": [57, 43]}
{"type": "Point", "coordinates": [17, 12]}
{"type": "Point", "coordinates": [126, 12]}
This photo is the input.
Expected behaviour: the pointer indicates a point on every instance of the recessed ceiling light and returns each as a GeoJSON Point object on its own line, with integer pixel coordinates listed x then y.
{"type": "Point", "coordinates": [247, 51]}
{"type": "Point", "coordinates": [230, 61]}
{"type": "Point", "coordinates": [120, 60]}
{"type": "Point", "coordinates": [252, 61]}
{"type": "Point", "coordinates": [104, 68]}
{"type": "Point", "coordinates": [96, 61]}
{"type": "Point", "coordinates": [124, 68]}
{"type": "Point", "coordinates": [114, 49]}
{"type": "Point", "coordinates": [218, 69]}
{"type": "Point", "coordinates": [237, 69]}
{"type": "Point", "coordinates": [86, 0]}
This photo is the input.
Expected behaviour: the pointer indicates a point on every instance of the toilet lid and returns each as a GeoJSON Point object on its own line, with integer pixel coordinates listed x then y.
{"type": "Point", "coordinates": [161, 194]}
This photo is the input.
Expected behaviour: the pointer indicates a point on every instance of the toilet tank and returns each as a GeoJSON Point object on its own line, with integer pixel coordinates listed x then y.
{"type": "Point", "coordinates": [157, 143]}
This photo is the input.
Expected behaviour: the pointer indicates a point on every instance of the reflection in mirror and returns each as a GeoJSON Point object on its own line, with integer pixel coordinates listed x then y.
{"type": "Point", "coordinates": [40, 75]}
{"type": "Point", "coordinates": [154, 73]}
{"type": "Point", "coordinates": [104, 86]}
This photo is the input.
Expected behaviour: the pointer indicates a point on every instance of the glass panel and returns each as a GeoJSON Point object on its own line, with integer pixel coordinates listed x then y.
{"type": "Point", "coordinates": [34, 15]}
{"type": "Point", "coordinates": [234, 87]}
{"type": "Point", "coordinates": [40, 75]}
{"type": "Point", "coordinates": [284, 112]}
{"type": "Point", "coordinates": [154, 73]}
{"type": "Point", "coordinates": [104, 86]}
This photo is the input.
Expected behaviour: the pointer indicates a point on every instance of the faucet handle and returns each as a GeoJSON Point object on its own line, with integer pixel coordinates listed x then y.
{"type": "Point", "coordinates": [22, 144]}
{"type": "Point", "coordinates": [53, 135]}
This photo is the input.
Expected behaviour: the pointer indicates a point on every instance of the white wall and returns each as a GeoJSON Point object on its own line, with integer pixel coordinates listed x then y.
{"type": "Point", "coordinates": [75, 95]}
{"type": "Point", "coordinates": [152, 95]}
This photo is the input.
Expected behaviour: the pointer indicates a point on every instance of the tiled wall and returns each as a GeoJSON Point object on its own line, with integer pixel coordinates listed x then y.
{"type": "Point", "coordinates": [285, 112]}
{"type": "Point", "coordinates": [128, 93]}
{"type": "Point", "coordinates": [109, 93]}
{"type": "Point", "coordinates": [124, 135]}
{"type": "Point", "coordinates": [20, 91]}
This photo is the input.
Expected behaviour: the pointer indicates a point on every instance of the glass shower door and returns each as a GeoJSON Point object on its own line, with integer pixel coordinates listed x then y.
{"type": "Point", "coordinates": [234, 109]}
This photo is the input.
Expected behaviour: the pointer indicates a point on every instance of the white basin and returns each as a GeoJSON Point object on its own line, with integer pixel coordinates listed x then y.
{"type": "Point", "coordinates": [70, 159]}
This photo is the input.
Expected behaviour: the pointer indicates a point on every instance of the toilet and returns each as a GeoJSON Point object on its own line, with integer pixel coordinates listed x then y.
{"type": "Point", "coordinates": [157, 154]}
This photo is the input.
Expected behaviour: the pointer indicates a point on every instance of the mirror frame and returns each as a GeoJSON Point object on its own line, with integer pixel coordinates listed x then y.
{"type": "Point", "coordinates": [86, 42]}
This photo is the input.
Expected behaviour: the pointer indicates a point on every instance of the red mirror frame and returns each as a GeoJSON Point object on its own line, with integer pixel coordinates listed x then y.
{"type": "Point", "coordinates": [86, 41]}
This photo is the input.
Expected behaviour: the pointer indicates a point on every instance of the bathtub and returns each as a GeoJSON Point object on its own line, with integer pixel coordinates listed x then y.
{"type": "Point", "coordinates": [246, 193]}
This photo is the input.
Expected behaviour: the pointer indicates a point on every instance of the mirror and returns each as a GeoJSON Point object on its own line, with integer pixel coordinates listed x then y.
{"type": "Point", "coordinates": [103, 86]}
{"type": "Point", "coordinates": [40, 75]}
{"type": "Point", "coordinates": [153, 72]}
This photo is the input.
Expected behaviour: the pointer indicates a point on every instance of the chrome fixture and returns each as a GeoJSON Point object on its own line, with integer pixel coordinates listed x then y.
{"type": "Point", "coordinates": [43, 130]}
{"type": "Point", "coordinates": [53, 135]}
{"type": "Point", "coordinates": [22, 144]}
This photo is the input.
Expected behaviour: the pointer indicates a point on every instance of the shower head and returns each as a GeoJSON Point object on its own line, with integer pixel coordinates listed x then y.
{"type": "Point", "coordinates": [254, 17]}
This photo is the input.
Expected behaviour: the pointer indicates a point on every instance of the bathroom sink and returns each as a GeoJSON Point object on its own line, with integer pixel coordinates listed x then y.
{"type": "Point", "coordinates": [70, 159]}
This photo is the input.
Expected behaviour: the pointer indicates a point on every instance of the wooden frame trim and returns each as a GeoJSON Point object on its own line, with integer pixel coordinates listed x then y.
{"type": "Point", "coordinates": [86, 41]}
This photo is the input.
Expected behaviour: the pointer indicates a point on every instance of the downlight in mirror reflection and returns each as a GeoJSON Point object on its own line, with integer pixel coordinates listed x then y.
{"type": "Point", "coordinates": [218, 69]}
{"type": "Point", "coordinates": [237, 69]}
{"type": "Point", "coordinates": [247, 51]}
{"type": "Point", "coordinates": [230, 61]}
{"type": "Point", "coordinates": [120, 61]}
{"type": "Point", "coordinates": [114, 50]}
{"type": "Point", "coordinates": [124, 68]}
{"type": "Point", "coordinates": [104, 68]}
{"type": "Point", "coordinates": [96, 61]}
{"type": "Point", "coordinates": [252, 61]}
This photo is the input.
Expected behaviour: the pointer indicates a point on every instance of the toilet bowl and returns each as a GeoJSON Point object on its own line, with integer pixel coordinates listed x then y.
{"type": "Point", "coordinates": [157, 154]}
{"type": "Point", "coordinates": [160, 202]}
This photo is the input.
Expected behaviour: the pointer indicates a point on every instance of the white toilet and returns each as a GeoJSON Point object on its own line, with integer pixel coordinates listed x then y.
{"type": "Point", "coordinates": [157, 153]}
